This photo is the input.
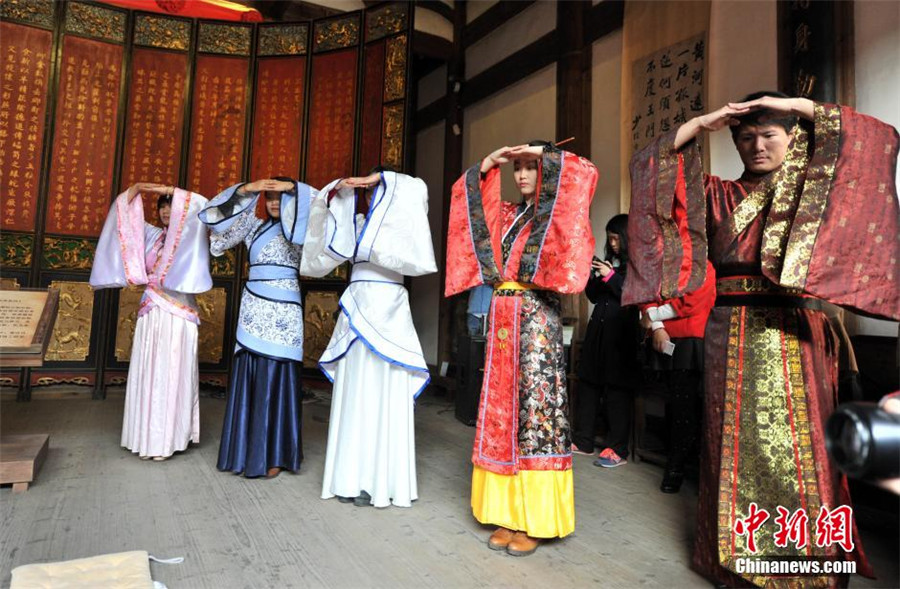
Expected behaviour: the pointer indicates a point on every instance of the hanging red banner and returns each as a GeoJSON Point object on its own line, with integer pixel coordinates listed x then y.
{"type": "Point", "coordinates": [84, 141]}
{"type": "Point", "coordinates": [332, 117]}
{"type": "Point", "coordinates": [278, 118]}
{"type": "Point", "coordinates": [218, 118]}
{"type": "Point", "coordinates": [23, 104]}
{"type": "Point", "coordinates": [155, 120]}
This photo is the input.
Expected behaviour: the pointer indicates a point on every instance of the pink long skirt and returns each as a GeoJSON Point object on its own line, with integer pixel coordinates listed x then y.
{"type": "Point", "coordinates": [162, 403]}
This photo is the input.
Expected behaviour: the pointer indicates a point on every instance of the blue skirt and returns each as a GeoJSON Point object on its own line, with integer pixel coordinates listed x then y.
{"type": "Point", "coordinates": [263, 415]}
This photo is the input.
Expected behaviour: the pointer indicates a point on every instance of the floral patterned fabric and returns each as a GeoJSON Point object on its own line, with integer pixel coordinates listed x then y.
{"type": "Point", "coordinates": [271, 316]}
{"type": "Point", "coordinates": [522, 423]}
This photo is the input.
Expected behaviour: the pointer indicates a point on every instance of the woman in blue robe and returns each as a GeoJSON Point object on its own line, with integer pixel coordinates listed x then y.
{"type": "Point", "coordinates": [261, 432]}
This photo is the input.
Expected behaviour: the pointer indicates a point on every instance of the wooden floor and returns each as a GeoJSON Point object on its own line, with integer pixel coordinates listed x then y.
{"type": "Point", "coordinates": [93, 497]}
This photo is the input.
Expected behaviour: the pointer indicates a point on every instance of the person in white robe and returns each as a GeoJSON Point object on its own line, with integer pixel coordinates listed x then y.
{"type": "Point", "coordinates": [374, 358]}
{"type": "Point", "coordinates": [162, 406]}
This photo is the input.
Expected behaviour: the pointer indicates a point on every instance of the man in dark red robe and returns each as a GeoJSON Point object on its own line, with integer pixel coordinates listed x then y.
{"type": "Point", "coordinates": [814, 217]}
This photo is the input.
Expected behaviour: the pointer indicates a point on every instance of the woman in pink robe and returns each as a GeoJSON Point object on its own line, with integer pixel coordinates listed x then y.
{"type": "Point", "coordinates": [161, 398]}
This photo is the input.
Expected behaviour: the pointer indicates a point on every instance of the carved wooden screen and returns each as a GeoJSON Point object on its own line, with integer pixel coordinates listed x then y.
{"type": "Point", "coordinates": [95, 98]}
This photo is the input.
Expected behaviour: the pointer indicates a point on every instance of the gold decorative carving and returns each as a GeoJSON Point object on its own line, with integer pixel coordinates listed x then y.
{"type": "Point", "coordinates": [245, 271]}
{"type": "Point", "coordinates": [227, 39]}
{"type": "Point", "coordinates": [129, 304]}
{"type": "Point", "coordinates": [91, 20]}
{"type": "Point", "coordinates": [8, 381]}
{"type": "Point", "coordinates": [9, 284]}
{"type": "Point", "coordinates": [71, 339]}
{"type": "Point", "coordinates": [212, 325]}
{"type": "Point", "coordinates": [158, 31]}
{"type": "Point", "coordinates": [382, 21]}
{"type": "Point", "coordinates": [224, 265]}
{"type": "Point", "coordinates": [339, 273]}
{"type": "Point", "coordinates": [45, 381]}
{"type": "Point", "coordinates": [68, 253]}
{"type": "Point", "coordinates": [33, 12]}
{"type": "Point", "coordinates": [321, 311]}
{"type": "Point", "coordinates": [395, 69]}
{"type": "Point", "coordinates": [15, 249]}
{"type": "Point", "coordinates": [392, 145]}
{"type": "Point", "coordinates": [283, 40]}
{"type": "Point", "coordinates": [336, 34]}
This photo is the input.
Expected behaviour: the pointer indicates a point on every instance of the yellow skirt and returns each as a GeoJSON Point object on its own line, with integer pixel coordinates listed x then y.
{"type": "Point", "coordinates": [540, 503]}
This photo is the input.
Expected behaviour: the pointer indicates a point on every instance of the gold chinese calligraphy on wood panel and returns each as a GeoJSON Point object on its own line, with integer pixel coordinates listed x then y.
{"type": "Point", "coordinates": [385, 20]}
{"type": "Point", "coordinates": [283, 40]}
{"type": "Point", "coordinates": [392, 144]}
{"type": "Point", "coordinates": [91, 20]}
{"type": "Point", "coordinates": [321, 311]}
{"type": "Point", "coordinates": [129, 304]}
{"type": "Point", "coordinates": [336, 34]}
{"type": "Point", "coordinates": [212, 325]}
{"type": "Point", "coordinates": [15, 250]}
{"type": "Point", "coordinates": [71, 339]}
{"type": "Point", "coordinates": [395, 69]}
{"type": "Point", "coordinates": [68, 253]}
{"type": "Point", "coordinates": [225, 39]}
{"type": "Point", "coordinates": [33, 12]}
{"type": "Point", "coordinates": [165, 33]}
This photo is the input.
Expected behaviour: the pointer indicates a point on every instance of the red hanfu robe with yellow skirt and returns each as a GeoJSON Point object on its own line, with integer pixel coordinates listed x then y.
{"type": "Point", "coordinates": [522, 478]}
{"type": "Point", "coordinates": [824, 226]}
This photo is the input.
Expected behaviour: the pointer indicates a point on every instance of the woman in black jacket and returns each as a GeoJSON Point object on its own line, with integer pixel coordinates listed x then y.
{"type": "Point", "coordinates": [608, 361]}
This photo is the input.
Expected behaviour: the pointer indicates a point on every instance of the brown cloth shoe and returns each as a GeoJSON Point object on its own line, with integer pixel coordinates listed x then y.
{"type": "Point", "coordinates": [273, 472]}
{"type": "Point", "coordinates": [500, 539]}
{"type": "Point", "coordinates": [522, 545]}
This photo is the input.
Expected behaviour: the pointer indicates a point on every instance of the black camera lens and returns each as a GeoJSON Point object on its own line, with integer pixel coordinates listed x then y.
{"type": "Point", "coordinates": [864, 441]}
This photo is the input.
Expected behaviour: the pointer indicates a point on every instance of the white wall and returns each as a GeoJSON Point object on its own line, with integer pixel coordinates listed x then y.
{"type": "Point", "coordinates": [475, 8]}
{"type": "Point", "coordinates": [877, 53]}
{"type": "Point", "coordinates": [606, 108]}
{"type": "Point", "coordinates": [426, 291]}
{"type": "Point", "coordinates": [524, 111]}
{"type": "Point", "coordinates": [520, 31]}
{"type": "Point", "coordinates": [743, 58]}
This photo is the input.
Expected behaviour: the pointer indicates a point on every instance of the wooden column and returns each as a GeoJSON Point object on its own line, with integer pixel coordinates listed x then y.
{"type": "Point", "coordinates": [453, 165]}
{"type": "Point", "coordinates": [573, 108]}
{"type": "Point", "coordinates": [573, 77]}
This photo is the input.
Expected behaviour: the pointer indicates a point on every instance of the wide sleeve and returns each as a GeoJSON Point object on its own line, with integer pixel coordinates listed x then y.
{"type": "Point", "coordinates": [666, 223]}
{"type": "Point", "coordinates": [231, 217]}
{"type": "Point", "coordinates": [295, 212]}
{"type": "Point", "coordinates": [697, 302]}
{"type": "Point", "coordinates": [120, 255]}
{"type": "Point", "coordinates": [558, 252]}
{"type": "Point", "coordinates": [397, 235]}
{"type": "Point", "coordinates": [330, 238]}
{"type": "Point", "coordinates": [474, 233]}
{"type": "Point", "coordinates": [844, 243]}
{"type": "Point", "coordinates": [185, 253]}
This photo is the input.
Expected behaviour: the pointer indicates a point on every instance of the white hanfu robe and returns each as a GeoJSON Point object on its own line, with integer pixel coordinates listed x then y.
{"type": "Point", "coordinates": [374, 357]}
{"type": "Point", "coordinates": [162, 403]}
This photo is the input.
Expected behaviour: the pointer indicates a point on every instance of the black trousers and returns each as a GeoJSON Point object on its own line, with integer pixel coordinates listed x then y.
{"type": "Point", "coordinates": [683, 410]}
{"type": "Point", "coordinates": [589, 411]}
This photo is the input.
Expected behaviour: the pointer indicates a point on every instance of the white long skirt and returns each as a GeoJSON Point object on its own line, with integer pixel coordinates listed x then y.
{"type": "Point", "coordinates": [371, 433]}
{"type": "Point", "coordinates": [162, 400]}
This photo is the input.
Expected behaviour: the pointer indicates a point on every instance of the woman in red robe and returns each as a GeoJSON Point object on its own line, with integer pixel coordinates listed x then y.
{"type": "Point", "coordinates": [530, 252]}
{"type": "Point", "coordinates": [813, 217]}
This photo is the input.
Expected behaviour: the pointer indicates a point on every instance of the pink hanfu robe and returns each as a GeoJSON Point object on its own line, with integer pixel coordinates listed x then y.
{"type": "Point", "coordinates": [162, 413]}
